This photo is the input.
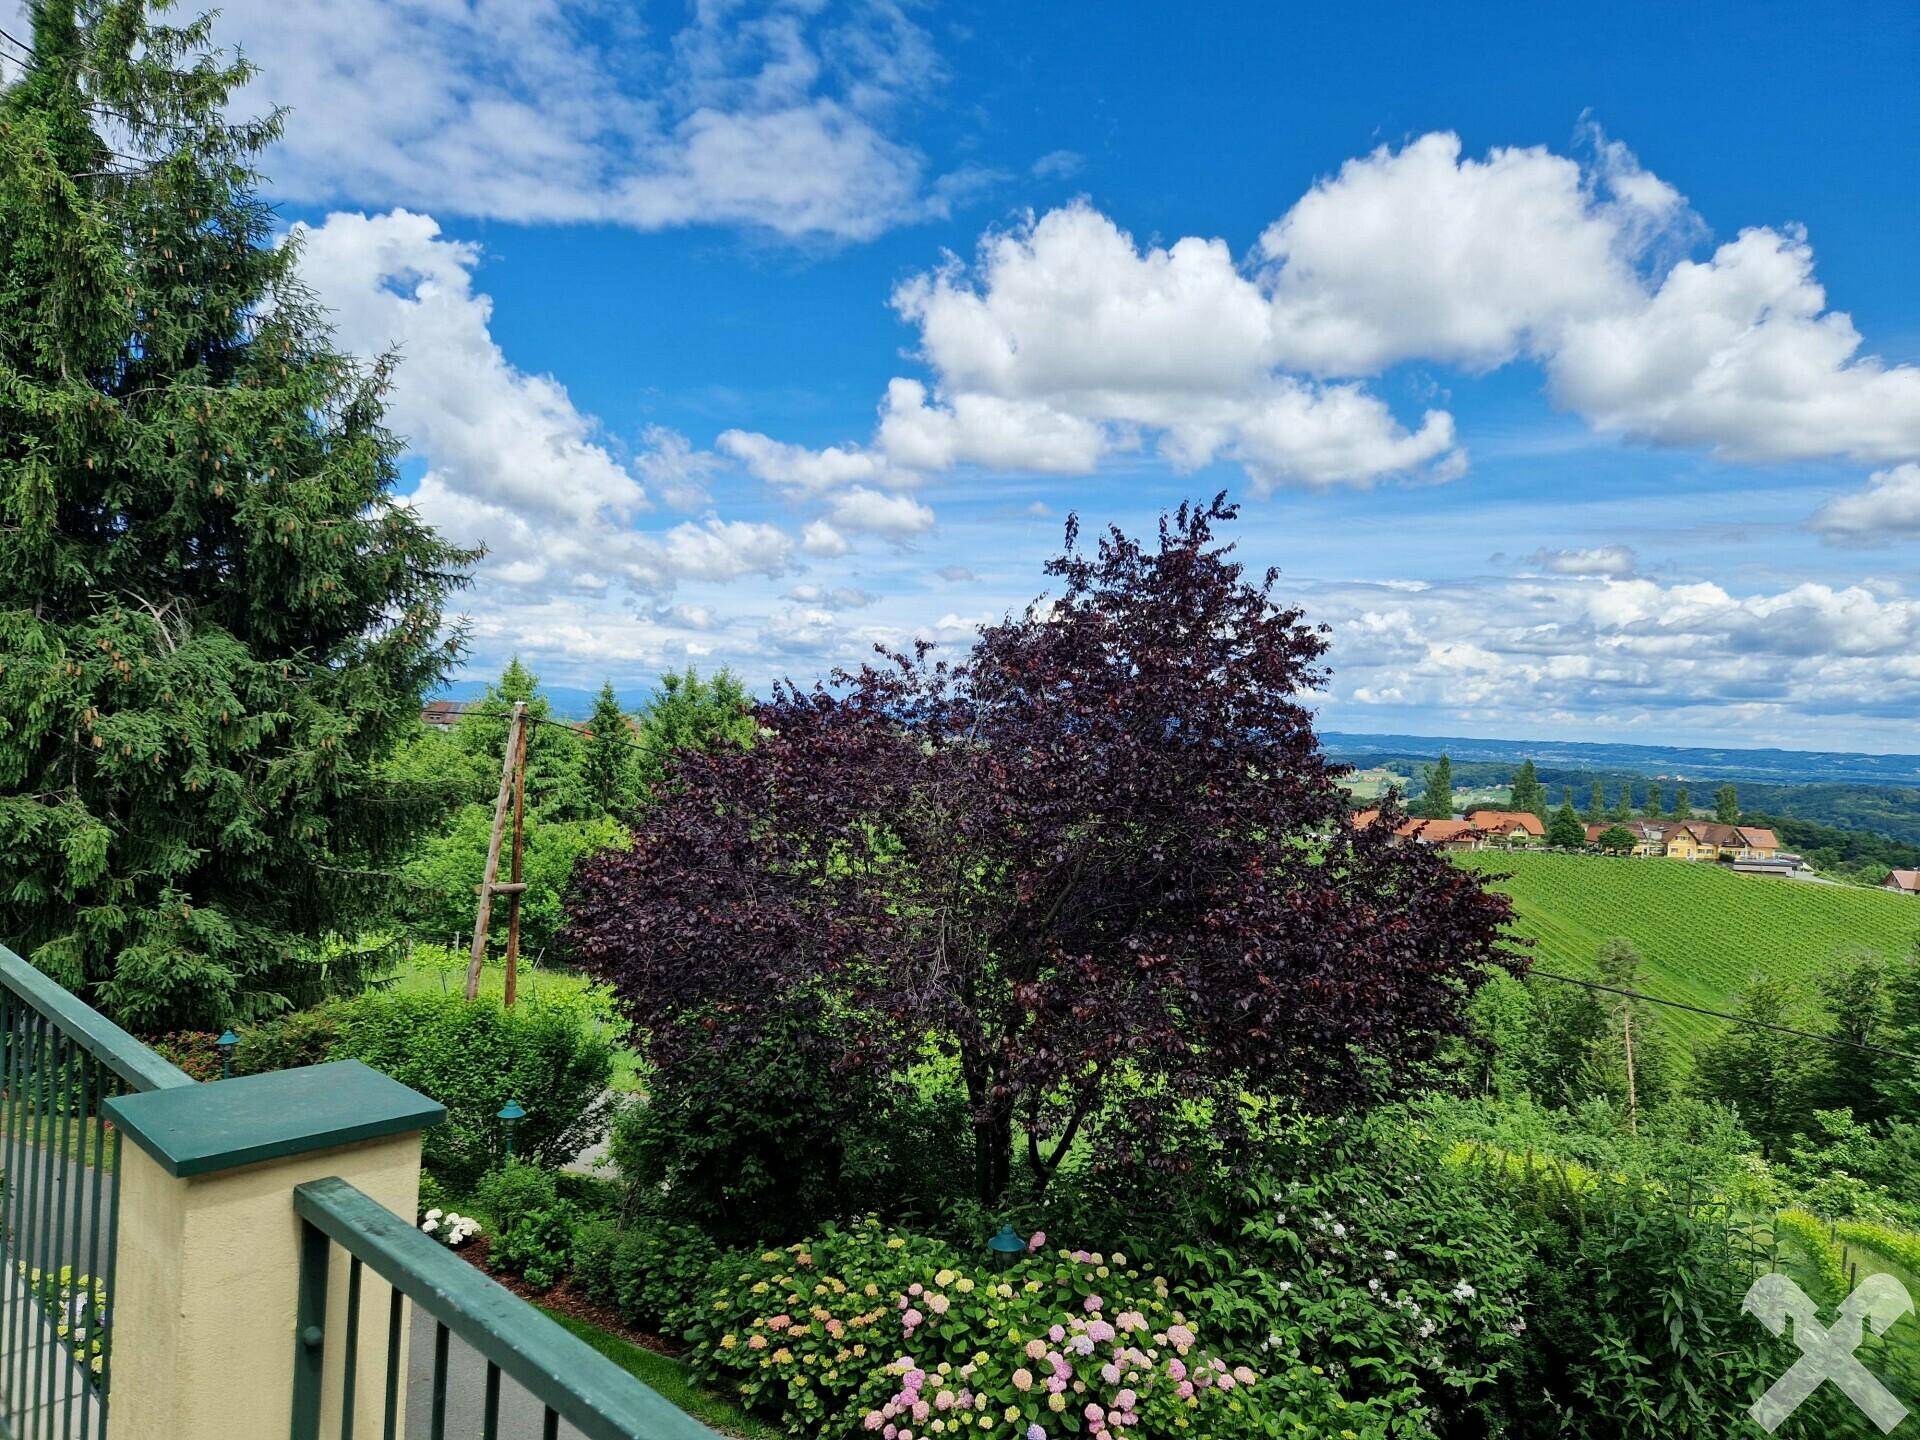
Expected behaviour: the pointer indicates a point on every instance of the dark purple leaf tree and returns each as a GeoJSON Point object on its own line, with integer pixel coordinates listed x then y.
{"type": "Point", "coordinates": [1102, 862]}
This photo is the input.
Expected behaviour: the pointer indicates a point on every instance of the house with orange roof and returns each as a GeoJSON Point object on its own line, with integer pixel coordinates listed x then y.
{"type": "Point", "coordinates": [1902, 882]}
{"type": "Point", "coordinates": [1445, 834]}
{"type": "Point", "coordinates": [1508, 827]}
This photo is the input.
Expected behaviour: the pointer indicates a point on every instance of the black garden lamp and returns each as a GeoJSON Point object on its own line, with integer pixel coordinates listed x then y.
{"type": "Point", "coordinates": [510, 1117]}
{"type": "Point", "coordinates": [1007, 1248]}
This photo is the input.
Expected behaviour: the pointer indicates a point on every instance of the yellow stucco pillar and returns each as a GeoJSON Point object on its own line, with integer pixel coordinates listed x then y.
{"type": "Point", "coordinates": [206, 1282]}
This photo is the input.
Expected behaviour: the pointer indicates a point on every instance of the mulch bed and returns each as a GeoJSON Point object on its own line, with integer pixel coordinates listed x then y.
{"type": "Point", "coordinates": [566, 1298]}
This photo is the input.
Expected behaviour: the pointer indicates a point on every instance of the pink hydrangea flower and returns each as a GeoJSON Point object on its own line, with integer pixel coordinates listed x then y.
{"type": "Point", "coordinates": [1023, 1379]}
{"type": "Point", "coordinates": [1185, 1392]}
{"type": "Point", "coordinates": [1100, 1332]}
{"type": "Point", "coordinates": [1039, 1239]}
{"type": "Point", "coordinates": [1092, 1304]}
{"type": "Point", "coordinates": [1125, 1400]}
{"type": "Point", "coordinates": [1176, 1370]}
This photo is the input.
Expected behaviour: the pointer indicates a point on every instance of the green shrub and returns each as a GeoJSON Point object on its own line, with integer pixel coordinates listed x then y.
{"type": "Point", "coordinates": [195, 1051]}
{"type": "Point", "coordinates": [859, 1328]}
{"type": "Point", "coordinates": [533, 1228]}
{"type": "Point", "coordinates": [763, 1142]}
{"type": "Point", "coordinates": [1636, 1327]}
{"type": "Point", "coordinates": [475, 1056]}
{"type": "Point", "coordinates": [299, 1037]}
{"type": "Point", "coordinates": [1358, 1249]}
{"type": "Point", "coordinates": [652, 1271]}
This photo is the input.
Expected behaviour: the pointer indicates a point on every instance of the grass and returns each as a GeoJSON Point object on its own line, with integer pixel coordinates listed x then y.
{"type": "Point", "coordinates": [669, 1379]}
{"type": "Point", "coordinates": [1704, 932]}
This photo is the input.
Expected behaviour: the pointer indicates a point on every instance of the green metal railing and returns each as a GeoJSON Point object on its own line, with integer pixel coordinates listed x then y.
{"type": "Point", "coordinates": [60, 1060]}
{"type": "Point", "coordinates": [567, 1380]}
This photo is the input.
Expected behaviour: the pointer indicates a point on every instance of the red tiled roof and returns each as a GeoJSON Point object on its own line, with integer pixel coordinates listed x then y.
{"type": "Point", "coordinates": [1504, 821]}
{"type": "Point", "coordinates": [1908, 880]}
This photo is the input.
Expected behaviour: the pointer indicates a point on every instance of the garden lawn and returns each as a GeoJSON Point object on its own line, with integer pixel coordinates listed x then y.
{"type": "Point", "coordinates": [668, 1377]}
{"type": "Point", "coordinates": [1704, 931]}
{"type": "Point", "coordinates": [435, 969]}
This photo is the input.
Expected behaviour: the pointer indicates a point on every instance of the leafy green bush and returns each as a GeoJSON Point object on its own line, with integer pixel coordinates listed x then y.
{"type": "Point", "coordinates": [533, 1227]}
{"type": "Point", "coordinates": [763, 1142]}
{"type": "Point", "coordinates": [652, 1271]}
{"type": "Point", "coordinates": [195, 1051]}
{"type": "Point", "coordinates": [860, 1328]}
{"type": "Point", "coordinates": [1636, 1326]}
{"type": "Point", "coordinates": [475, 1056]}
{"type": "Point", "coordinates": [1360, 1250]}
{"type": "Point", "coordinates": [299, 1037]}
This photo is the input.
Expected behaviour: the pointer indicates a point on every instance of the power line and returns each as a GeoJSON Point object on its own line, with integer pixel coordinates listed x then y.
{"type": "Point", "coordinates": [1747, 1020]}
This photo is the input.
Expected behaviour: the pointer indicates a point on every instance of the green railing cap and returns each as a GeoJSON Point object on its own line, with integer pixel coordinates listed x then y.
{"type": "Point", "coordinates": [209, 1128]}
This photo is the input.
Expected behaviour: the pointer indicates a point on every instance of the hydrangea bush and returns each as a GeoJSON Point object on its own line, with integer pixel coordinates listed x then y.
{"type": "Point", "coordinates": [863, 1331]}
{"type": "Point", "coordinates": [449, 1227]}
{"type": "Point", "coordinates": [77, 1306]}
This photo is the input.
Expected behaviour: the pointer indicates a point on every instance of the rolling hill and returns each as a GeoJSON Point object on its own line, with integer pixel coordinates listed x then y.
{"type": "Point", "coordinates": [1704, 931]}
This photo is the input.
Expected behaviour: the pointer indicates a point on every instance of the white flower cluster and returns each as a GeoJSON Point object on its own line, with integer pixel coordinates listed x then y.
{"type": "Point", "coordinates": [449, 1227]}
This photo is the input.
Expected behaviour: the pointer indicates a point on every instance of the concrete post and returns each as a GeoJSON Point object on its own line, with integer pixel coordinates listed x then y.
{"type": "Point", "coordinates": [207, 1277]}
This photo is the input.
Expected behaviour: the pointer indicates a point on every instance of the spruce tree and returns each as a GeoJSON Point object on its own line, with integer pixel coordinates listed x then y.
{"type": "Point", "coordinates": [215, 619]}
{"type": "Point", "coordinates": [689, 712]}
{"type": "Point", "coordinates": [1564, 829]}
{"type": "Point", "coordinates": [608, 765]}
{"type": "Point", "coordinates": [556, 789]}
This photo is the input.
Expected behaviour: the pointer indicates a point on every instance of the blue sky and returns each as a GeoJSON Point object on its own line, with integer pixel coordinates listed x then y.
{"type": "Point", "coordinates": [1564, 359]}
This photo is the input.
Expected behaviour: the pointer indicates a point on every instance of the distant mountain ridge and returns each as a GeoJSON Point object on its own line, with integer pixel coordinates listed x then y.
{"type": "Point", "coordinates": [1780, 767]}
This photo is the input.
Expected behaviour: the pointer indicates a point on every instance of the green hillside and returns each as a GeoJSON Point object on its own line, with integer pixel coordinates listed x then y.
{"type": "Point", "coordinates": [1705, 931]}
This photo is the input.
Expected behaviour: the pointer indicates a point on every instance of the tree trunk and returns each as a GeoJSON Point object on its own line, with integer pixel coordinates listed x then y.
{"type": "Point", "coordinates": [993, 1152]}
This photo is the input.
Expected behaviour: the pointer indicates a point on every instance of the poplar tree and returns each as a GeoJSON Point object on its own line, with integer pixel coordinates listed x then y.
{"type": "Point", "coordinates": [1654, 812]}
{"type": "Point", "coordinates": [1597, 803]}
{"type": "Point", "coordinates": [1726, 805]}
{"type": "Point", "coordinates": [1682, 804]}
{"type": "Point", "coordinates": [1528, 794]}
{"type": "Point", "coordinates": [1436, 802]}
{"type": "Point", "coordinates": [215, 619]}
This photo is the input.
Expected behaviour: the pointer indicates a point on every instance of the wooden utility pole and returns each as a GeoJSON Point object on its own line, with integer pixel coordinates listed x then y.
{"type": "Point", "coordinates": [513, 872]}
{"type": "Point", "coordinates": [1633, 1099]}
{"type": "Point", "coordinates": [488, 887]}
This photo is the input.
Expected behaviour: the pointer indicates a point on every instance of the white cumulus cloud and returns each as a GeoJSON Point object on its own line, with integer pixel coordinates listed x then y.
{"type": "Point", "coordinates": [779, 117]}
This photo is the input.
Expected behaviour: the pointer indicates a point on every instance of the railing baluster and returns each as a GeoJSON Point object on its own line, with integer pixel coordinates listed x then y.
{"type": "Point", "coordinates": [490, 1418]}
{"type": "Point", "coordinates": [40, 1182]}
{"type": "Point", "coordinates": [309, 1332]}
{"type": "Point", "coordinates": [438, 1429]}
{"type": "Point", "coordinates": [113, 1257]}
{"type": "Point", "coordinates": [56, 1223]}
{"type": "Point", "coordinates": [96, 1323]}
{"type": "Point", "coordinates": [395, 1318]}
{"type": "Point", "coordinates": [350, 1367]}
{"type": "Point", "coordinates": [80, 1327]}
{"type": "Point", "coordinates": [16, 1192]}
{"type": "Point", "coordinates": [550, 1427]}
